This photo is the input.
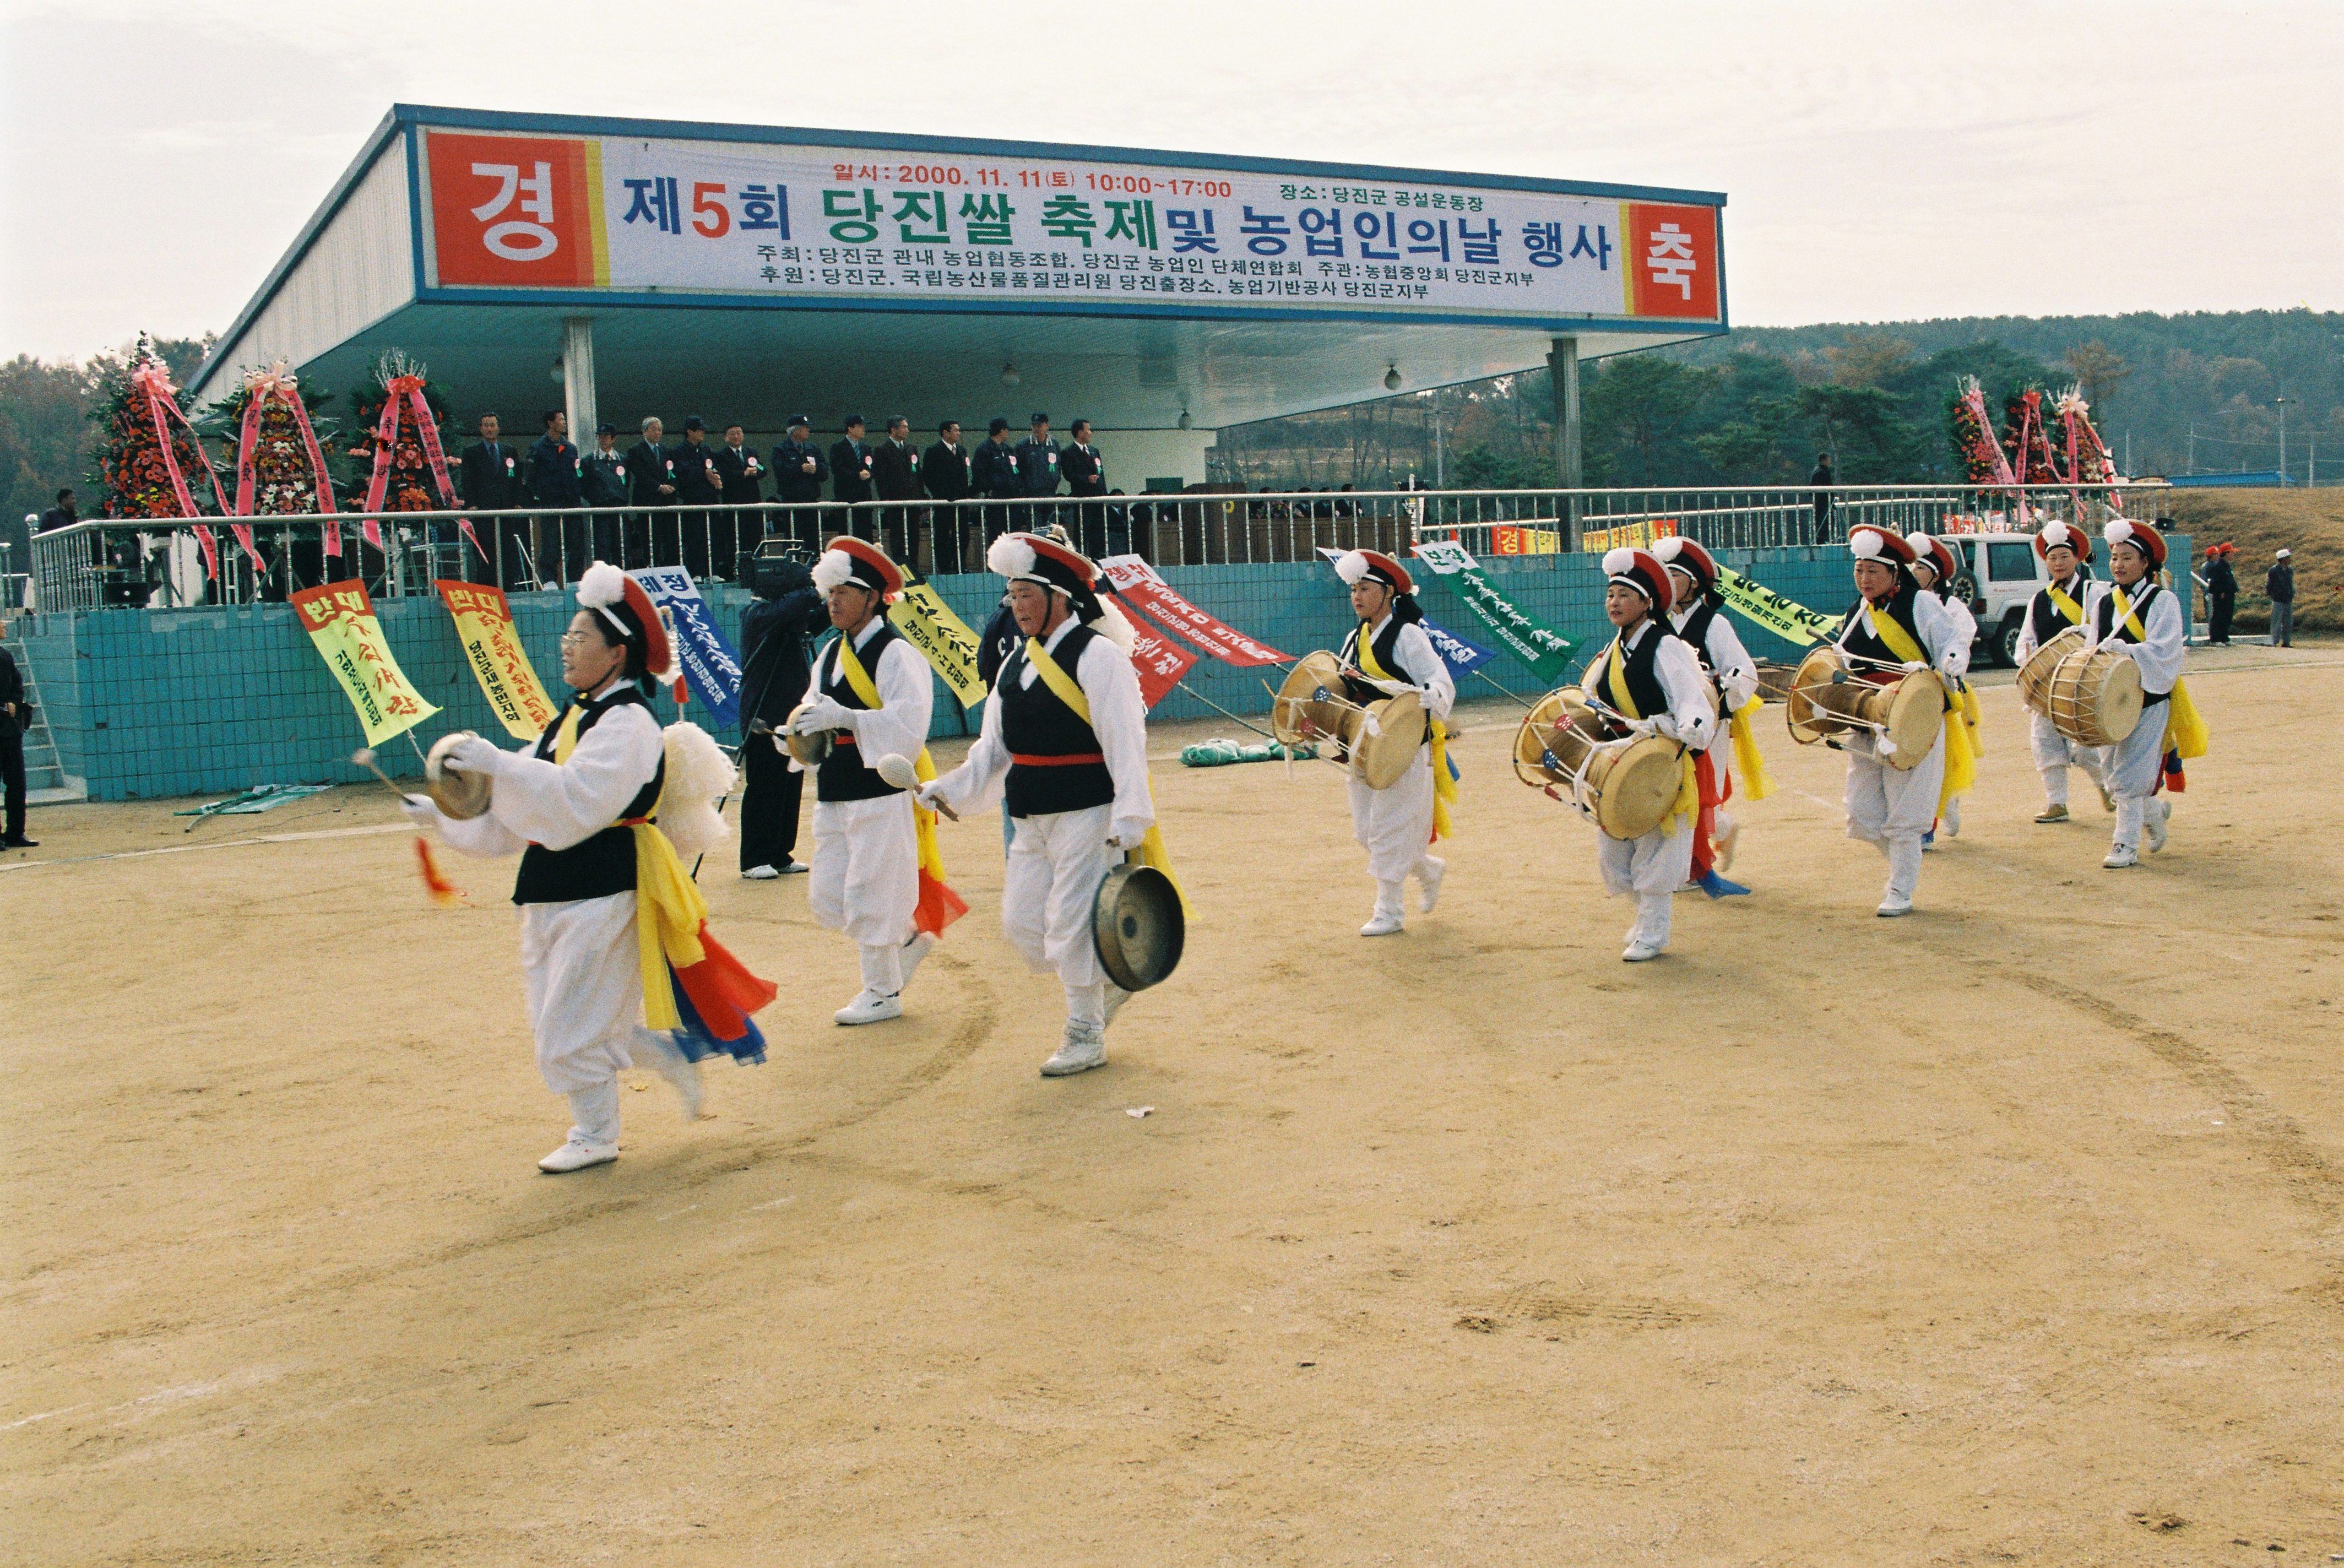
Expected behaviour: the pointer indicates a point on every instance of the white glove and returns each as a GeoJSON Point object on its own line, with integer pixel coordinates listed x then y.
{"type": "Point", "coordinates": [1914, 666]}
{"type": "Point", "coordinates": [1128, 833]}
{"type": "Point", "coordinates": [929, 795]}
{"type": "Point", "coordinates": [1664, 726]}
{"type": "Point", "coordinates": [473, 755]}
{"type": "Point", "coordinates": [825, 714]}
{"type": "Point", "coordinates": [420, 809]}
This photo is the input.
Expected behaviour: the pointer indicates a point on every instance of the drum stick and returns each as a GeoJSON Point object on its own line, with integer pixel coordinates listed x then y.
{"type": "Point", "coordinates": [1525, 706]}
{"type": "Point", "coordinates": [364, 757]}
{"type": "Point", "coordinates": [896, 769]}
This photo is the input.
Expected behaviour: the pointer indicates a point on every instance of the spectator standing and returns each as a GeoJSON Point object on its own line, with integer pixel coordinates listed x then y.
{"type": "Point", "coordinates": [2221, 595]}
{"type": "Point", "coordinates": [64, 514]}
{"type": "Point", "coordinates": [2278, 584]}
{"type": "Point", "coordinates": [602, 480]}
{"type": "Point", "coordinates": [944, 475]}
{"type": "Point", "coordinates": [1823, 479]}
{"type": "Point", "coordinates": [774, 678]}
{"type": "Point", "coordinates": [489, 479]}
{"type": "Point", "coordinates": [850, 471]}
{"type": "Point", "coordinates": [697, 489]}
{"type": "Point", "coordinates": [741, 477]}
{"type": "Point", "coordinates": [14, 717]}
{"type": "Point", "coordinates": [895, 475]}
{"type": "Point", "coordinates": [799, 471]}
{"type": "Point", "coordinates": [555, 480]}
{"type": "Point", "coordinates": [1085, 476]}
{"type": "Point", "coordinates": [652, 480]}
{"type": "Point", "coordinates": [1038, 474]}
{"type": "Point", "coordinates": [993, 472]}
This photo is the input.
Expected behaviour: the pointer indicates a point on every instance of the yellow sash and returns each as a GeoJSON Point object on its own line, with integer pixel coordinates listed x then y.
{"type": "Point", "coordinates": [1444, 787]}
{"type": "Point", "coordinates": [2067, 606]}
{"type": "Point", "coordinates": [2184, 731]}
{"type": "Point", "coordinates": [1067, 689]}
{"type": "Point", "coordinates": [1746, 758]}
{"type": "Point", "coordinates": [668, 908]}
{"type": "Point", "coordinates": [1891, 632]}
{"type": "Point", "coordinates": [1961, 759]}
{"type": "Point", "coordinates": [923, 767]}
{"type": "Point", "coordinates": [1615, 677]}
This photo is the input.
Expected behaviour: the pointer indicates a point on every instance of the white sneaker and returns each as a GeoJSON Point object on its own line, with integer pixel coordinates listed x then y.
{"type": "Point", "coordinates": [2122, 857]}
{"type": "Point", "coordinates": [1640, 951]}
{"type": "Point", "coordinates": [870, 1008]}
{"type": "Point", "coordinates": [1085, 1048]}
{"type": "Point", "coordinates": [576, 1154]}
{"type": "Point", "coordinates": [1382, 926]}
{"type": "Point", "coordinates": [916, 949]}
{"type": "Point", "coordinates": [760, 873]}
{"type": "Point", "coordinates": [1954, 817]}
{"type": "Point", "coordinates": [1895, 904]}
{"type": "Point", "coordinates": [1427, 883]}
{"type": "Point", "coordinates": [2160, 812]}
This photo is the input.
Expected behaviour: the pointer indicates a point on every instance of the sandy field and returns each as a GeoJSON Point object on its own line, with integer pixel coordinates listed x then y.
{"type": "Point", "coordinates": [2007, 1233]}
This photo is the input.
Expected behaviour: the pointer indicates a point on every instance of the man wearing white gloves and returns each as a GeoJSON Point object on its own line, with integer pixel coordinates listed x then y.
{"type": "Point", "coordinates": [1065, 742]}
{"type": "Point", "coordinates": [1892, 631]}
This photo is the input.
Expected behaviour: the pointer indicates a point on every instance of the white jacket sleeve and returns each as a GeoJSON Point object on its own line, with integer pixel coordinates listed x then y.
{"type": "Point", "coordinates": [1690, 703]}
{"type": "Point", "coordinates": [2159, 658]}
{"type": "Point", "coordinates": [907, 697]}
{"type": "Point", "coordinates": [1120, 719]}
{"type": "Point", "coordinates": [561, 805]}
{"type": "Point", "coordinates": [1961, 633]}
{"type": "Point", "coordinates": [1736, 670]}
{"type": "Point", "coordinates": [1424, 666]}
{"type": "Point", "coordinates": [975, 784]}
{"type": "Point", "coordinates": [482, 835]}
{"type": "Point", "coordinates": [1938, 632]}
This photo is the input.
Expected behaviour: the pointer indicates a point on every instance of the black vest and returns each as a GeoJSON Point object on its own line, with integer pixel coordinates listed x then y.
{"type": "Point", "coordinates": [1386, 647]}
{"type": "Point", "coordinates": [2113, 631]}
{"type": "Point", "coordinates": [1860, 640]}
{"type": "Point", "coordinates": [2047, 618]}
{"type": "Point", "coordinates": [843, 776]}
{"type": "Point", "coordinates": [604, 863]}
{"type": "Point", "coordinates": [1638, 666]}
{"type": "Point", "coordinates": [1694, 632]}
{"type": "Point", "coordinates": [1035, 723]}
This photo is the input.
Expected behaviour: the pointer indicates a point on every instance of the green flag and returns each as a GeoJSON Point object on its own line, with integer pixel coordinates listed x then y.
{"type": "Point", "coordinates": [1546, 651]}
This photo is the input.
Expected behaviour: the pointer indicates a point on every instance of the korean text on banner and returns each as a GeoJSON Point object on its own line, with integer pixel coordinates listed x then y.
{"type": "Point", "coordinates": [1461, 654]}
{"type": "Point", "coordinates": [1786, 618]}
{"type": "Point", "coordinates": [339, 619]}
{"type": "Point", "coordinates": [712, 670]}
{"type": "Point", "coordinates": [1137, 582]}
{"type": "Point", "coordinates": [1512, 539]}
{"type": "Point", "coordinates": [1546, 651]}
{"type": "Point", "coordinates": [1161, 663]}
{"type": "Point", "coordinates": [923, 620]}
{"type": "Point", "coordinates": [484, 624]}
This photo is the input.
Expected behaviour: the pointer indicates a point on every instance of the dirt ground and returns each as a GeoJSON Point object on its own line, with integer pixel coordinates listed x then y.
{"type": "Point", "coordinates": [2005, 1233]}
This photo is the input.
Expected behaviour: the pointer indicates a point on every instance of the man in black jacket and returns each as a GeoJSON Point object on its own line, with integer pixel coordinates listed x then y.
{"type": "Point", "coordinates": [895, 475]}
{"type": "Point", "coordinates": [741, 477]}
{"type": "Point", "coordinates": [944, 475]}
{"type": "Point", "coordinates": [602, 479]}
{"type": "Point", "coordinates": [2221, 595]}
{"type": "Point", "coordinates": [651, 479]}
{"type": "Point", "coordinates": [850, 471]}
{"type": "Point", "coordinates": [1085, 478]}
{"type": "Point", "coordinates": [773, 677]}
{"type": "Point", "coordinates": [554, 479]}
{"type": "Point", "coordinates": [700, 539]}
{"type": "Point", "coordinates": [2278, 584]}
{"type": "Point", "coordinates": [798, 474]}
{"type": "Point", "coordinates": [1038, 474]}
{"type": "Point", "coordinates": [1823, 479]}
{"type": "Point", "coordinates": [489, 479]}
{"type": "Point", "coordinates": [993, 472]}
{"type": "Point", "coordinates": [14, 717]}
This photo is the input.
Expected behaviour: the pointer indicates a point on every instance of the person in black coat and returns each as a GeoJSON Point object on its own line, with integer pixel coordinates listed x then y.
{"type": "Point", "coordinates": [14, 717]}
{"type": "Point", "coordinates": [1037, 475]}
{"type": "Point", "coordinates": [741, 477]}
{"type": "Point", "coordinates": [651, 479]}
{"type": "Point", "coordinates": [555, 480]}
{"type": "Point", "coordinates": [799, 470]}
{"type": "Point", "coordinates": [944, 475]}
{"type": "Point", "coordinates": [1086, 475]}
{"type": "Point", "coordinates": [701, 540]}
{"type": "Point", "coordinates": [773, 677]}
{"type": "Point", "coordinates": [850, 468]}
{"type": "Point", "coordinates": [2279, 586]}
{"type": "Point", "coordinates": [993, 470]}
{"type": "Point", "coordinates": [488, 478]}
{"type": "Point", "coordinates": [602, 481]}
{"type": "Point", "coordinates": [2221, 595]}
{"type": "Point", "coordinates": [895, 475]}
{"type": "Point", "coordinates": [1823, 479]}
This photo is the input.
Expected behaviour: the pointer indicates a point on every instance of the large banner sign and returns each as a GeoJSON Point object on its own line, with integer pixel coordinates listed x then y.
{"type": "Point", "coordinates": [1137, 582]}
{"type": "Point", "coordinates": [484, 624]}
{"type": "Point", "coordinates": [712, 669]}
{"type": "Point", "coordinates": [1785, 618]}
{"type": "Point", "coordinates": [1461, 654]}
{"type": "Point", "coordinates": [339, 619]}
{"type": "Point", "coordinates": [923, 620]}
{"type": "Point", "coordinates": [1160, 662]}
{"type": "Point", "coordinates": [562, 212]}
{"type": "Point", "coordinates": [1546, 651]}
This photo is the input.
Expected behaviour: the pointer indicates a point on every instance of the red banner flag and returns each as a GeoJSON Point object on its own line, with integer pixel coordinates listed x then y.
{"type": "Point", "coordinates": [1160, 661]}
{"type": "Point", "coordinates": [1137, 582]}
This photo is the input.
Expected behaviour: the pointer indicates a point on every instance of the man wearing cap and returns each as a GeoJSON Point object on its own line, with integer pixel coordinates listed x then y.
{"type": "Point", "coordinates": [2134, 615]}
{"type": "Point", "coordinates": [1388, 654]}
{"type": "Point", "coordinates": [2279, 586]}
{"type": "Point", "coordinates": [2067, 551]}
{"type": "Point", "coordinates": [602, 482]}
{"type": "Point", "coordinates": [2221, 584]}
{"type": "Point", "coordinates": [799, 470]}
{"type": "Point", "coordinates": [1648, 681]}
{"type": "Point", "coordinates": [1696, 614]}
{"type": "Point", "coordinates": [874, 693]}
{"type": "Point", "coordinates": [944, 475]}
{"type": "Point", "coordinates": [993, 472]}
{"type": "Point", "coordinates": [1893, 629]}
{"type": "Point", "coordinates": [1066, 741]}
{"type": "Point", "coordinates": [1037, 472]}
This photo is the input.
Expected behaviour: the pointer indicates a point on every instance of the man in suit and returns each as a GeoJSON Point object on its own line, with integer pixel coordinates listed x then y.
{"type": "Point", "coordinates": [700, 539]}
{"type": "Point", "coordinates": [896, 474]}
{"type": "Point", "coordinates": [850, 472]}
{"type": "Point", "coordinates": [773, 677]}
{"type": "Point", "coordinates": [993, 472]}
{"type": "Point", "coordinates": [555, 478]}
{"type": "Point", "coordinates": [651, 483]}
{"type": "Point", "coordinates": [489, 479]}
{"type": "Point", "coordinates": [799, 471]}
{"type": "Point", "coordinates": [1085, 478]}
{"type": "Point", "coordinates": [1038, 474]}
{"type": "Point", "coordinates": [741, 477]}
{"type": "Point", "coordinates": [602, 480]}
{"type": "Point", "coordinates": [944, 475]}
{"type": "Point", "coordinates": [14, 718]}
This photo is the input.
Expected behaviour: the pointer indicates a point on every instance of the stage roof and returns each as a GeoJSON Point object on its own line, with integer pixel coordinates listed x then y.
{"type": "Point", "coordinates": [747, 272]}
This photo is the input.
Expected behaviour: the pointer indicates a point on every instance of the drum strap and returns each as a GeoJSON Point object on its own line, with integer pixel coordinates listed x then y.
{"type": "Point", "coordinates": [938, 905]}
{"type": "Point", "coordinates": [1444, 783]}
{"type": "Point", "coordinates": [1067, 689]}
{"type": "Point", "coordinates": [1616, 679]}
{"type": "Point", "coordinates": [1892, 636]}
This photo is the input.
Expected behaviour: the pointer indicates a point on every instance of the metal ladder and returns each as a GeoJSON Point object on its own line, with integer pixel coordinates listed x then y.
{"type": "Point", "coordinates": [41, 750]}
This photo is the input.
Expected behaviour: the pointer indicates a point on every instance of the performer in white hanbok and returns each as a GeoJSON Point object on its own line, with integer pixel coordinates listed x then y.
{"type": "Point", "coordinates": [1064, 747]}
{"type": "Point", "coordinates": [1934, 570]}
{"type": "Point", "coordinates": [1649, 682]}
{"type": "Point", "coordinates": [620, 967]}
{"type": "Point", "coordinates": [2066, 551]}
{"type": "Point", "coordinates": [875, 874]}
{"type": "Point", "coordinates": [1697, 615]}
{"type": "Point", "coordinates": [1388, 654]}
{"type": "Point", "coordinates": [2132, 614]}
{"type": "Point", "coordinates": [1891, 629]}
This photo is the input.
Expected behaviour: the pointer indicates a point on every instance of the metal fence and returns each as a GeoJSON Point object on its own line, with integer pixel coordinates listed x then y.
{"type": "Point", "coordinates": [161, 562]}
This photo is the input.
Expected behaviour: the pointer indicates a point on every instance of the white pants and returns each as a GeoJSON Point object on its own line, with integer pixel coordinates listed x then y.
{"type": "Point", "coordinates": [1652, 867]}
{"type": "Point", "coordinates": [2054, 753]}
{"type": "Point", "coordinates": [865, 876]}
{"type": "Point", "coordinates": [2131, 767]}
{"type": "Point", "coordinates": [1056, 863]}
{"type": "Point", "coordinates": [582, 971]}
{"type": "Point", "coordinates": [1395, 825]}
{"type": "Point", "coordinates": [1892, 808]}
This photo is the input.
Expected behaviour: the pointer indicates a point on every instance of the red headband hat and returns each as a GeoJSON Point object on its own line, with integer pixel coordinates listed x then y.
{"type": "Point", "coordinates": [2147, 541]}
{"type": "Point", "coordinates": [1642, 571]}
{"type": "Point", "coordinates": [1358, 566]}
{"type": "Point", "coordinates": [1688, 557]}
{"type": "Point", "coordinates": [850, 559]}
{"type": "Point", "coordinates": [1935, 552]}
{"type": "Point", "coordinates": [2066, 533]}
{"type": "Point", "coordinates": [1030, 558]}
{"type": "Point", "coordinates": [1879, 544]}
{"type": "Point", "coordinates": [619, 600]}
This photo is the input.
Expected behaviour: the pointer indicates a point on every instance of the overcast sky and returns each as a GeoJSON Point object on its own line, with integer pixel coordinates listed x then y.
{"type": "Point", "coordinates": [1882, 161]}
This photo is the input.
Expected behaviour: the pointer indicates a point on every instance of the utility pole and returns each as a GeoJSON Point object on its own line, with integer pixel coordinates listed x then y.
{"type": "Point", "coordinates": [2280, 404]}
{"type": "Point", "coordinates": [2127, 451]}
{"type": "Point", "coordinates": [1439, 460]}
{"type": "Point", "coordinates": [2192, 466]}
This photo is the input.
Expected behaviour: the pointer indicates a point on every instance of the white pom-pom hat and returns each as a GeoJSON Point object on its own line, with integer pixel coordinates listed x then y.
{"type": "Point", "coordinates": [1358, 566]}
{"type": "Point", "coordinates": [2056, 533]}
{"type": "Point", "coordinates": [1030, 558]}
{"type": "Point", "coordinates": [850, 559]}
{"type": "Point", "coordinates": [1642, 571]}
{"type": "Point", "coordinates": [1879, 544]}
{"type": "Point", "coordinates": [619, 600]}
{"type": "Point", "coordinates": [1933, 554]}
{"type": "Point", "coordinates": [2139, 535]}
{"type": "Point", "coordinates": [1687, 556]}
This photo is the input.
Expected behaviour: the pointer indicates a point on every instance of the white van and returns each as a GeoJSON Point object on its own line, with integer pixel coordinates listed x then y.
{"type": "Point", "coordinates": [1999, 575]}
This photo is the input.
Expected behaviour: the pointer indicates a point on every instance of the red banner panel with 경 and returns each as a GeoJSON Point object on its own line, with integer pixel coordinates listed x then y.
{"type": "Point", "coordinates": [511, 211]}
{"type": "Point", "coordinates": [1672, 260]}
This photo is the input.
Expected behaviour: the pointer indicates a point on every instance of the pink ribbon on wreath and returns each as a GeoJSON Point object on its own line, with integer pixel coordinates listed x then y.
{"type": "Point", "coordinates": [153, 379]}
{"type": "Point", "coordinates": [274, 384]}
{"type": "Point", "coordinates": [403, 390]}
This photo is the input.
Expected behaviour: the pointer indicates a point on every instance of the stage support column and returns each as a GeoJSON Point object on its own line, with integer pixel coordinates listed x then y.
{"type": "Point", "coordinates": [577, 379]}
{"type": "Point", "coordinates": [1562, 366]}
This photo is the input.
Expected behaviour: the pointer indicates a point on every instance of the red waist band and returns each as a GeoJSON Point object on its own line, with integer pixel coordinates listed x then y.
{"type": "Point", "coordinates": [1072, 759]}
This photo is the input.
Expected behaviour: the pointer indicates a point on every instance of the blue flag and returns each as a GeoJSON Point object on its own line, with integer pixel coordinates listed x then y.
{"type": "Point", "coordinates": [1461, 654]}
{"type": "Point", "coordinates": [712, 670]}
